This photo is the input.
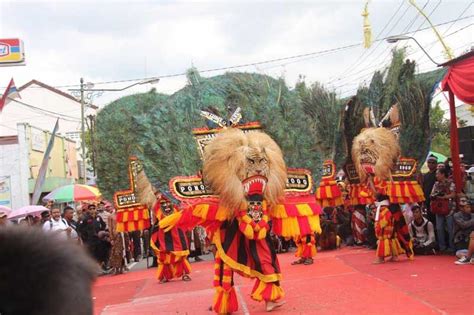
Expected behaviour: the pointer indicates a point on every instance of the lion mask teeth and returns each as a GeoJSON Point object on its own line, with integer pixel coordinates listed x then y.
{"type": "Point", "coordinates": [255, 185]}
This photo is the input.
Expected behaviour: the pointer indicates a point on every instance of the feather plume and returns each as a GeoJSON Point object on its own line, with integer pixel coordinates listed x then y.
{"type": "Point", "coordinates": [144, 192]}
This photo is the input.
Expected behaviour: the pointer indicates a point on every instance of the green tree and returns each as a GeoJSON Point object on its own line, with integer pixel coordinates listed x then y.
{"type": "Point", "coordinates": [116, 139]}
{"type": "Point", "coordinates": [439, 131]}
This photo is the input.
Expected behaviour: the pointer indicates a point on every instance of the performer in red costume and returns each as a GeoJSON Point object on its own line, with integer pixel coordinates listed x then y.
{"type": "Point", "coordinates": [171, 247]}
{"type": "Point", "coordinates": [387, 245]}
{"type": "Point", "coordinates": [306, 249]}
{"type": "Point", "coordinates": [247, 175]}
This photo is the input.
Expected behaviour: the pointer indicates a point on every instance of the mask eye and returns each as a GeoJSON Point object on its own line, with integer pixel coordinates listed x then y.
{"type": "Point", "coordinates": [250, 161]}
{"type": "Point", "coordinates": [264, 160]}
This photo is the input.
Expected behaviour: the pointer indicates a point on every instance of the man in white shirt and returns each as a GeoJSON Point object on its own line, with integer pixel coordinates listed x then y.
{"type": "Point", "coordinates": [422, 233]}
{"type": "Point", "coordinates": [57, 225]}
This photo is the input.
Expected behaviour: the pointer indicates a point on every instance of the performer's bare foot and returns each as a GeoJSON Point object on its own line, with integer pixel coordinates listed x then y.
{"type": "Point", "coordinates": [164, 280]}
{"type": "Point", "coordinates": [298, 262]}
{"type": "Point", "coordinates": [186, 278]}
{"type": "Point", "coordinates": [378, 261]}
{"type": "Point", "coordinates": [270, 305]}
{"type": "Point", "coordinates": [394, 258]}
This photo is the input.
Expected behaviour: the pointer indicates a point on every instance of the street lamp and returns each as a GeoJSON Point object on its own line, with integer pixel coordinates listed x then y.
{"type": "Point", "coordinates": [88, 87]}
{"type": "Point", "coordinates": [454, 143]}
{"type": "Point", "coordinates": [397, 38]}
{"type": "Point", "coordinates": [149, 81]}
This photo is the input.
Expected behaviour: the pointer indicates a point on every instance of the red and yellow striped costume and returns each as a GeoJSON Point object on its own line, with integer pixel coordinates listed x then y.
{"type": "Point", "coordinates": [246, 247]}
{"type": "Point", "coordinates": [358, 224]}
{"type": "Point", "coordinates": [171, 249]}
{"type": "Point", "coordinates": [387, 244]}
{"type": "Point", "coordinates": [306, 246]}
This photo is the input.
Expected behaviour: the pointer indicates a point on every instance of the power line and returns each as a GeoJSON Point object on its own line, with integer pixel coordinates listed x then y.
{"type": "Point", "coordinates": [388, 48]}
{"type": "Point", "coordinates": [320, 52]}
{"type": "Point", "coordinates": [369, 74]}
{"type": "Point", "coordinates": [424, 20]}
{"type": "Point", "coordinates": [377, 38]}
{"type": "Point", "coordinates": [47, 112]}
{"type": "Point", "coordinates": [418, 64]}
{"type": "Point", "coordinates": [274, 60]}
{"type": "Point", "coordinates": [41, 114]}
{"type": "Point", "coordinates": [370, 70]}
{"type": "Point", "coordinates": [460, 15]}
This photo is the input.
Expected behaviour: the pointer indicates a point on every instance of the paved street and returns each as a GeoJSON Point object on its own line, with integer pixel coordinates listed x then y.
{"type": "Point", "coordinates": [339, 282]}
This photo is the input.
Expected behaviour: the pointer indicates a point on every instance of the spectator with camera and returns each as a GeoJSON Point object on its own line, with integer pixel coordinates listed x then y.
{"type": "Point", "coordinates": [442, 205]}
{"type": "Point", "coordinates": [422, 233]}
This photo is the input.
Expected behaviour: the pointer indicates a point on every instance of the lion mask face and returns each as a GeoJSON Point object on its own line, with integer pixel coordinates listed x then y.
{"type": "Point", "coordinates": [374, 152]}
{"type": "Point", "coordinates": [234, 156]}
{"type": "Point", "coordinates": [256, 163]}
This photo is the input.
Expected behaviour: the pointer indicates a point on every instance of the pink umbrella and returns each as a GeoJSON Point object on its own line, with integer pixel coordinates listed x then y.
{"type": "Point", "coordinates": [27, 210]}
{"type": "Point", "coordinates": [5, 210]}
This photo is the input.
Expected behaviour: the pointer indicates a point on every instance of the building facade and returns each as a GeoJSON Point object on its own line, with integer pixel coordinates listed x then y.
{"type": "Point", "coordinates": [39, 106]}
{"type": "Point", "coordinates": [20, 160]}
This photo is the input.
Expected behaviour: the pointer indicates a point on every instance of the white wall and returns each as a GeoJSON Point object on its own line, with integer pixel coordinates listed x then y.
{"type": "Point", "coordinates": [14, 113]}
{"type": "Point", "coordinates": [14, 163]}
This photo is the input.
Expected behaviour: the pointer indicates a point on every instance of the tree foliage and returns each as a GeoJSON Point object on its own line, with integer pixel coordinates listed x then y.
{"type": "Point", "coordinates": [308, 122]}
{"type": "Point", "coordinates": [158, 128]}
{"type": "Point", "coordinates": [398, 84]}
{"type": "Point", "coordinates": [440, 135]}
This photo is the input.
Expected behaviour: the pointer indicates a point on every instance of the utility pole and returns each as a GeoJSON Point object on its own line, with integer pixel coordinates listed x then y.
{"type": "Point", "coordinates": [83, 134]}
{"type": "Point", "coordinates": [91, 128]}
{"type": "Point", "coordinates": [88, 87]}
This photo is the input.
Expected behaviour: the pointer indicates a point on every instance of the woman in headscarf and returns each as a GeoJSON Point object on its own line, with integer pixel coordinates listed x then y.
{"type": "Point", "coordinates": [116, 261]}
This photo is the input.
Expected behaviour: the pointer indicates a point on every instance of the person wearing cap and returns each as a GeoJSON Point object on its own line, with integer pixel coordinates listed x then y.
{"type": "Point", "coordinates": [429, 179]}
{"type": "Point", "coordinates": [422, 232]}
{"type": "Point", "coordinates": [463, 224]}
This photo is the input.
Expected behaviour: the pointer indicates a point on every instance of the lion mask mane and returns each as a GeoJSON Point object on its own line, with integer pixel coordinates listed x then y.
{"type": "Point", "coordinates": [374, 152]}
{"type": "Point", "coordinates": [234, 156]}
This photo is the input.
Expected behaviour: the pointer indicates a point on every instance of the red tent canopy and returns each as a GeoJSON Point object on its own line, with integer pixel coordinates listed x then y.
{"type": "Point", "coordinates": [460, 77]}
{"type": "Point", "coordinates": [459, 82]}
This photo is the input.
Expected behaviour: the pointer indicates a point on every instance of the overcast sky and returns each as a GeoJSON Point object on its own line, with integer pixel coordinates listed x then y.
{"type": "Point", "coordinates": [116, 40]}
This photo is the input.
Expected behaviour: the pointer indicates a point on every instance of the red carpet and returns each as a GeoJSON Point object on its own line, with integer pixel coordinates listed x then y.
{"type": "Point", "coordinates": [342, 281]}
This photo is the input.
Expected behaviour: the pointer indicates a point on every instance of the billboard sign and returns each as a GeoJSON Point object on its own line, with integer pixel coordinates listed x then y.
{"type": "Point", "coordinates": [11, 51]}
{"type": "Point", "coordinates": [5, 191]}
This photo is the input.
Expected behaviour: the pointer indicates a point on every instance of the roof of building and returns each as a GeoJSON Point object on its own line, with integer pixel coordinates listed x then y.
{"type": "Point", "coordinates": [454, 61]}
{"type": "Point", "coordinates": [53, 89]}
{"type": "Point", "coordinates": [8, 140]}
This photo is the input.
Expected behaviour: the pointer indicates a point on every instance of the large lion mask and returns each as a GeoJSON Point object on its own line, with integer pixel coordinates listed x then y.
{"type": "Point", "coordinates": [233, 156]}
{"type": "Point", "coordinates": [375, 152]}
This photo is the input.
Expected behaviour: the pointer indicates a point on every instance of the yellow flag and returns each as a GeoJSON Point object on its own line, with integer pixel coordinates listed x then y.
{"type": "Point", "coordinates": [367, 28]}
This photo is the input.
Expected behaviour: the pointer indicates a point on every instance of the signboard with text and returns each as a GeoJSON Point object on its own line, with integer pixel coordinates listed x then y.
{"type": "Point", "coordinates": [11, 52]}
{"type": "Point", "coordinates": [5, 192]}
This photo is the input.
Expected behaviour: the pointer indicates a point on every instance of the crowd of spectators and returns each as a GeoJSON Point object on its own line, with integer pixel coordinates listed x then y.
{"type": "Point", "coordinates": [441, 225]}
{"type": "Point", "coordinates": [92, 225]}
